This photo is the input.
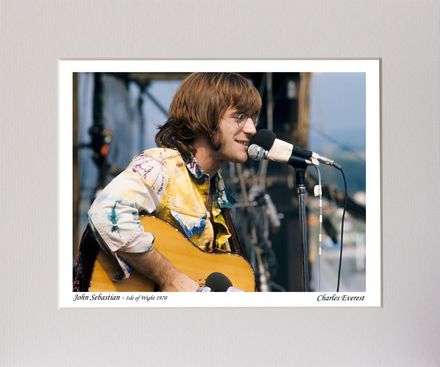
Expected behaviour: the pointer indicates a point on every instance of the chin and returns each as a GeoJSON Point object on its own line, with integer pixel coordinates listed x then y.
{"type": "Point", "coordinates": [242, 159]}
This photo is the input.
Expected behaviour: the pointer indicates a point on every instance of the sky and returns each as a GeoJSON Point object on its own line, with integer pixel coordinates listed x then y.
{"type": "Point", "coordinates": [337, 102]}
{"type": "Point", "coordinates": [337, 125]}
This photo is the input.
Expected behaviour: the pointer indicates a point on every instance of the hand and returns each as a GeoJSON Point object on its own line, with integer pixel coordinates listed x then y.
{"type": "Point", "coordinates": [180, 283]}
{"type": "Point", "coordinates": [157, 268]}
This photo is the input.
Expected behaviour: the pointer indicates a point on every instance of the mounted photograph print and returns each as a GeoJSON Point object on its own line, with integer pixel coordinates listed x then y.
{"type": "Point", "coordinates": [219, 183]}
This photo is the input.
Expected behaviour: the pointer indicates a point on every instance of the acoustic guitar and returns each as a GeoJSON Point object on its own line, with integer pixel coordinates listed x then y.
{"type": "Point", "coordinates": [182, 253]}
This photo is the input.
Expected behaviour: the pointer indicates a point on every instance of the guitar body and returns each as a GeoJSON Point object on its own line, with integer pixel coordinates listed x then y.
{"type": "Point", "coordinates": [186, 257]}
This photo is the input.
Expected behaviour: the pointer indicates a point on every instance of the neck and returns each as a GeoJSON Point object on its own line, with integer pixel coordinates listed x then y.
{"type": "Point", "coordinates": [207, 157]}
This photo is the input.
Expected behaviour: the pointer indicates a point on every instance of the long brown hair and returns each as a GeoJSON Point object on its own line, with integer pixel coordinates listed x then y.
{"type": "Point", "coordinates": [200, 103]}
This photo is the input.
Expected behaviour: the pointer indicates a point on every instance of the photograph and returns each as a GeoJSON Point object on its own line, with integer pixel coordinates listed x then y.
{"type": "Point", "coordinates": [230, 180]}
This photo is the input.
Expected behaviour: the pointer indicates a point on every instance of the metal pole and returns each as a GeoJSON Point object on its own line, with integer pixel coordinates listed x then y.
{"type": "Point", "coordinates": [301, 191]}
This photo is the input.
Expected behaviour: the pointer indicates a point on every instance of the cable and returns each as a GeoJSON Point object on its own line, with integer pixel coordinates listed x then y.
{"type": "Point", "coordinates": [341, 146]}
{"type": "Point", "coordinates": [277, 286]}
{"type": "Point", "coordinates": [342, 228]}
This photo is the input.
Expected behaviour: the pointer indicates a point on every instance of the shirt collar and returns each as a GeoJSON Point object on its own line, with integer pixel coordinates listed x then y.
{"type": "Point", "coordinates": [220, 195]}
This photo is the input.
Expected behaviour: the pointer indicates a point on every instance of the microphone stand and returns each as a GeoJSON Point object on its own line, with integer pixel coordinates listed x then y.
{"type": "Point", "coordinates": [300, 170]}
{"type": "Point", "coordinates": [300, 165]}
{"type": "Point", "coordinates": [301, 191]}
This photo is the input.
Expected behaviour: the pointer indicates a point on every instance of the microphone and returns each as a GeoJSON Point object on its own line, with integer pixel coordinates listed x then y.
{"type": "Point", "coordinates": [218, 282]}
{"type": "Point", "coordinates": [281, 151]}
{"type": "Point", "coordinates": [261, 198]}
{"type": "Point", "coordinates": [258, 153]}
{"type": "Point", "coordinates": [272, 212]}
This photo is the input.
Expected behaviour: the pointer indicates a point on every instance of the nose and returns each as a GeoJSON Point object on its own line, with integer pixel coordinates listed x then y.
{"type": "Point", "coordinates": [249, 127]}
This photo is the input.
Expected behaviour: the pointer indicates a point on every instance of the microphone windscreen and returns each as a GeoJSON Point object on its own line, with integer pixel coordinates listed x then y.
{"type": "Point", "coordinates": [263, 138]}
{"type": "Point", "coordinates": [218, 282]}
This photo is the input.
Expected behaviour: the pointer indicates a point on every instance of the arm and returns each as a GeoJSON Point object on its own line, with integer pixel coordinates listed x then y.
{"type": "Point", "coordinates": [157, 268]}
{"type": "Point", "coordinates": [114, 216]}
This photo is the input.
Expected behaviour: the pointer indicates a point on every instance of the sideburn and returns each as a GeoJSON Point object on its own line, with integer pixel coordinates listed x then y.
{"type": "Point", "coordinates": [214, 140]}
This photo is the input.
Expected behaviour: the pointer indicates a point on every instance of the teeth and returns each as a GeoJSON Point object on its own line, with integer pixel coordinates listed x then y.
{"type": "Point", "coordinates": [243, 143]}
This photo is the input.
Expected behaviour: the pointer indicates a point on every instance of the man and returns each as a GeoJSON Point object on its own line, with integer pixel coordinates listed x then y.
{"type": "Point", "coordinates": [212, 118]}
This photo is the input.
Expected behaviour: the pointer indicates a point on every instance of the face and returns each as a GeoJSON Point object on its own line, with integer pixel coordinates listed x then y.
{"type": "Point", "coordinates": [235, 131]}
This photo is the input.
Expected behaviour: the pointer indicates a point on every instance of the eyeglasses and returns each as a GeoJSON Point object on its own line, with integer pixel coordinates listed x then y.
{"type": "Point", "coordinates": [240, 118]}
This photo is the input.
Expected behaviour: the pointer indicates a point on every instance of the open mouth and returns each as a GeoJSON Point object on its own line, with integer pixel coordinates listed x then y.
{"type": "Point", "coordinates": [244, 143]}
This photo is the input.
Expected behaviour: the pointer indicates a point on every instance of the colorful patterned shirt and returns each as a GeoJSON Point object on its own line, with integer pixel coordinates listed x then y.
{"type": "Point", "coordinates": [159, 182]}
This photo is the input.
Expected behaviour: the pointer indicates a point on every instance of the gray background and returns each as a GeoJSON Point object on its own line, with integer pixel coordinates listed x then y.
{"type": "Point", "coordinates": [404, 332]}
